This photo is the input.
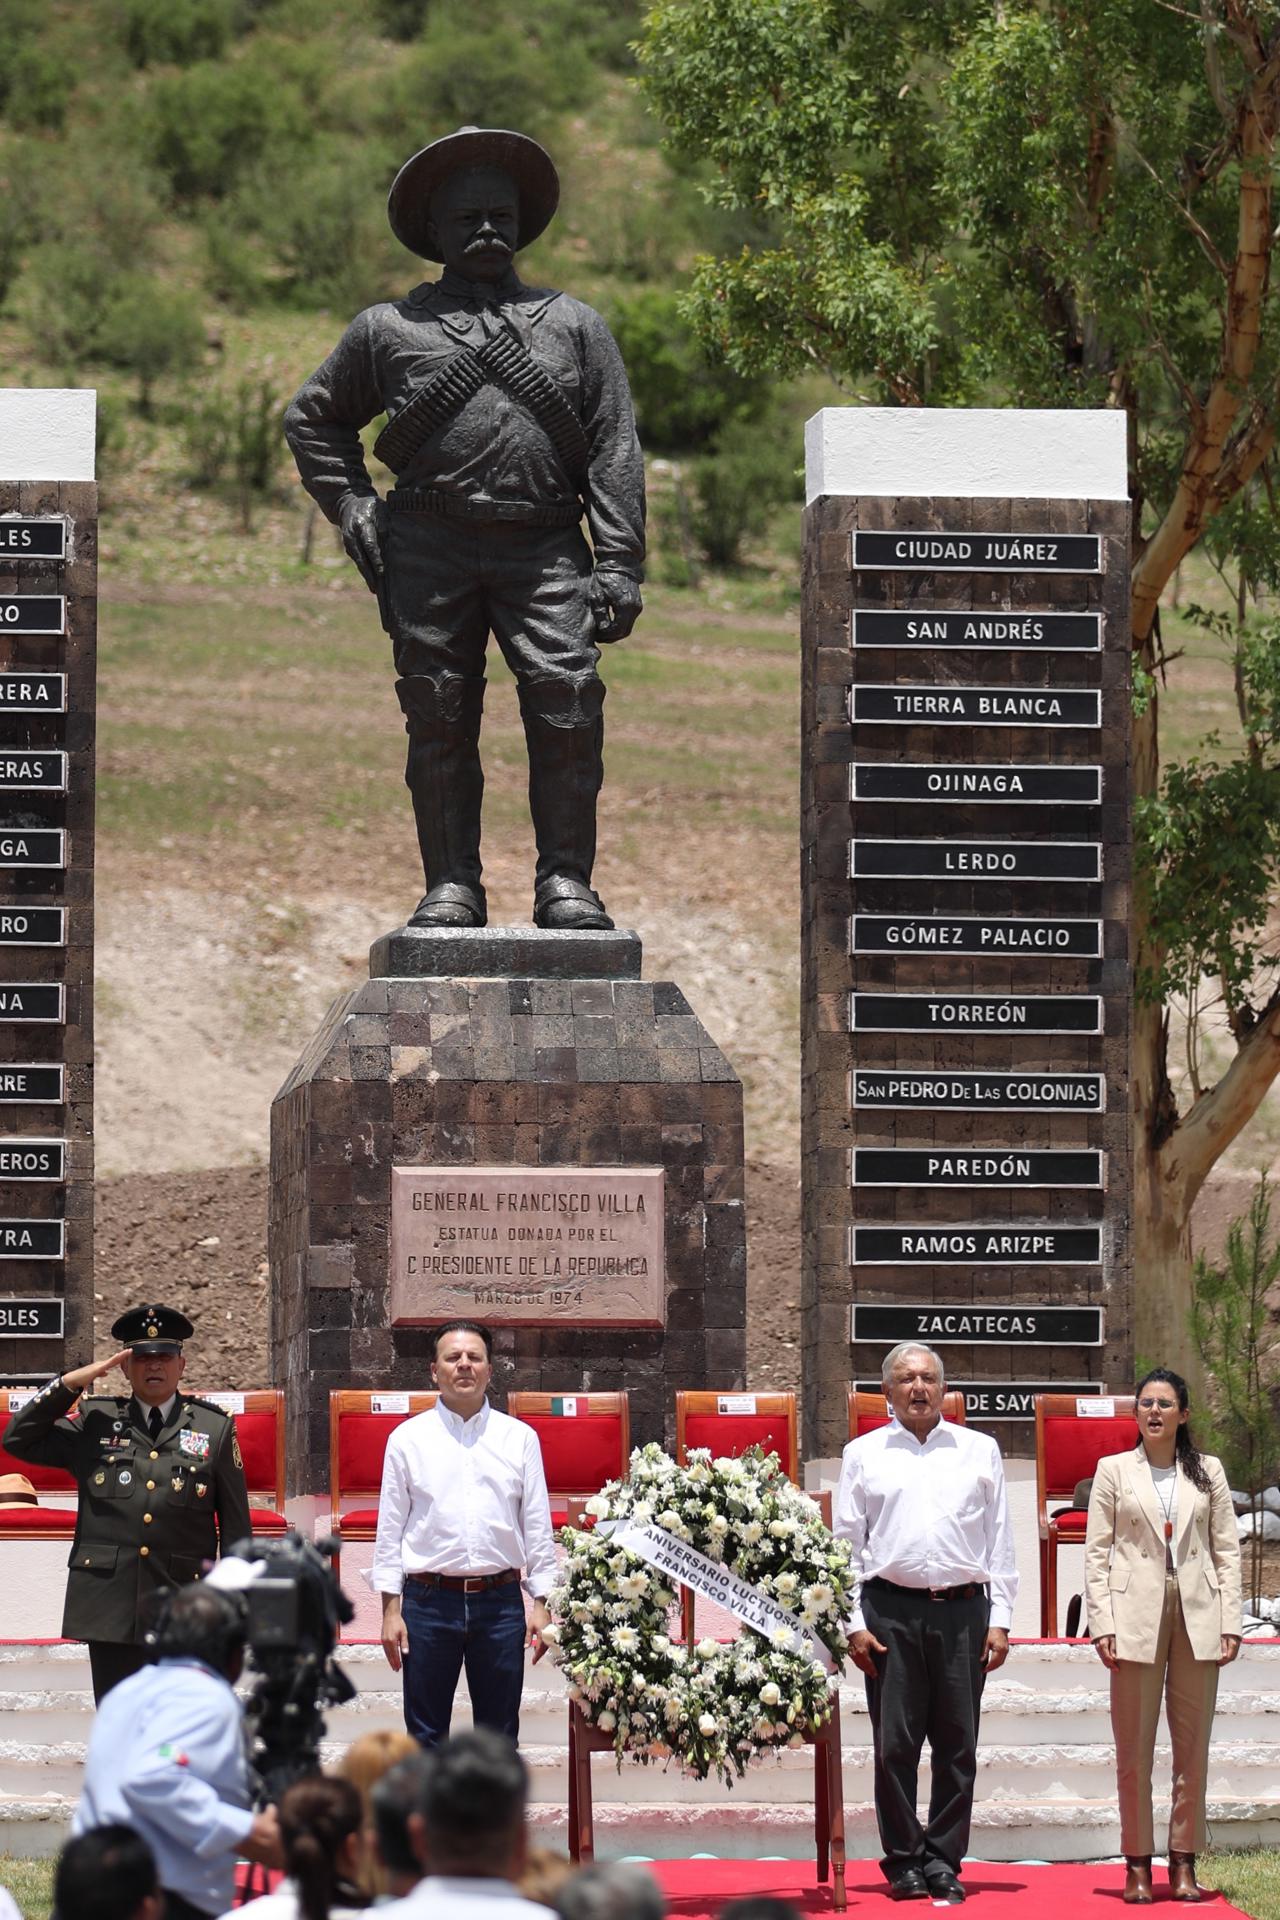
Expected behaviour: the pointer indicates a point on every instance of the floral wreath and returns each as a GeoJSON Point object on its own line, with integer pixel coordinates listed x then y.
{"type": "Point", "coordinates": [718, 1706]}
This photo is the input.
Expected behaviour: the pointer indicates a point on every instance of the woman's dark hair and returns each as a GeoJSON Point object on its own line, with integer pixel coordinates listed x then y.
{"type": "Point", "coordinates": [1189, 1456]}
{"type": "Point", "coordinates": [317, 1816]}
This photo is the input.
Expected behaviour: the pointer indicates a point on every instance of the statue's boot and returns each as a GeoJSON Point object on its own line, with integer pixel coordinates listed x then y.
{"type": "Point", "coordinates": [442, 719]}
{"type": "Point", "coordinates": [564, 729]}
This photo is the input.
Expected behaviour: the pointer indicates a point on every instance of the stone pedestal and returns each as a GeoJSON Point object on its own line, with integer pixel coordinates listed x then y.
{"type": "Point", "coordinates": [502, 1048]}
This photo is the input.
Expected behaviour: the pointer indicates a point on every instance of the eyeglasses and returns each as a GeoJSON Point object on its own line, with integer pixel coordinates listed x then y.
{"type": "Point", "coordinates": [1165, 1406]}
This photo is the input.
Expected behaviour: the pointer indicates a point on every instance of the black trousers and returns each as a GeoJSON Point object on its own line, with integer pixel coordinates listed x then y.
{"type": "Point", "coordinates": [111, 1661]}
{"type": "Point", "coordinates": [928, 1686]}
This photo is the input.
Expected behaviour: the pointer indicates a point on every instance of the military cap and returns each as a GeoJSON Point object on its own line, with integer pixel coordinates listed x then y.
{"type": "Point", "coordinates": [530, 166]}
{"type": "Point", "coordinates": [152, 1329]}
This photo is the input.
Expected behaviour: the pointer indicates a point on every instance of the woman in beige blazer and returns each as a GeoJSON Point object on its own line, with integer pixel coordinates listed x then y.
{"type": "Point", "coordinates": [1162, 1586]}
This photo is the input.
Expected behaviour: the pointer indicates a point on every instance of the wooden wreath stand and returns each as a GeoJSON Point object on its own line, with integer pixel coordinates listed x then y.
{"type": "Point", "coordinates": [828, 1794]}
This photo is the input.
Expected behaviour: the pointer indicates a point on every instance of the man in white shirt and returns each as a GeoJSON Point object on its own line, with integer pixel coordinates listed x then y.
{"type": "Point", "coordinates": [463, 1507]}
{"type": "Point", "coordinates": [471, 1834]}
{"type": "Point", "coordinates": [923, 1503]}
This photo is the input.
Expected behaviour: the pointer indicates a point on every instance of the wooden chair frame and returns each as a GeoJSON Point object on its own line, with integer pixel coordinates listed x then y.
{"type": "Point", "coordinates": [347, 1400]}
{"type": "Point", "coordinates": [700, 1401]}
{"type": "Point", "coordinates": [828, 1795]}
{"type": "Point", "coordinates": [871, 1406]}
{"type": "Point", "coordinates": [259, 1400]}
{"type": "Point", "coordinates": [1057, 1406]}
{"type": "Point", "coordinates": [523, 1405]}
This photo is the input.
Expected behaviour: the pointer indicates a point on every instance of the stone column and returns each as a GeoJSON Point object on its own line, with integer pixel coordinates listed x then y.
{"type": "Point", "coordinates": [48, 655]}
{"type": "Point", "coordinates": [534, 1056]}
{"type": "Point", "coordinates": [967, 1165]}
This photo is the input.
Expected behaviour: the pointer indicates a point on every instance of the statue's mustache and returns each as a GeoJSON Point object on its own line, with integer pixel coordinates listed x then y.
{"type": "Point", "coordinates": [488, 243]}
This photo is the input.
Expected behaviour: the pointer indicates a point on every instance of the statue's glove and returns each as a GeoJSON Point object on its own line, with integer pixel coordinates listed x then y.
{"type": "Point", "coordinates": [363, 518]}
{"type": "Point", "coordinates": [615, 603]}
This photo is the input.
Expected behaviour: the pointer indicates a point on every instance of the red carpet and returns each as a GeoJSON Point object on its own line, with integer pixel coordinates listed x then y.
{"type": "Point", "coordinates": [697, 1889]}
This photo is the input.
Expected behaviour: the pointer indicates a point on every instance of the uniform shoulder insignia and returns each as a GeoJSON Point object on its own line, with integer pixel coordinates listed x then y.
{"type": "Point", "coordinates": [205, 1406]}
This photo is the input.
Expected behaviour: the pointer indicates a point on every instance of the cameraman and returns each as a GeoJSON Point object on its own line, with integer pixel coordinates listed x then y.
{"type": "Point", "coordinates": [167, 1758]}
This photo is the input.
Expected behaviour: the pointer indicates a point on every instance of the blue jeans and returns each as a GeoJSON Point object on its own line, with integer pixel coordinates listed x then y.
{"type": "Point", "coordinates": [484, 1630]}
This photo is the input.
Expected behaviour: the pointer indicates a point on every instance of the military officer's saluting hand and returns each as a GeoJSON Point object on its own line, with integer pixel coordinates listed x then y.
{"type": "Point", "coordinates": [161, 1485]}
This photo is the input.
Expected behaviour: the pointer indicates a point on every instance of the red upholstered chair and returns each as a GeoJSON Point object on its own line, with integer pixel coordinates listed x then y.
{"type": "Point", "coordinates": [729, 1423]}
{"type": "Point", "coordinates": [1072, 1435]}
{"type": "Point", "coordinates": [39, 1522]}
{"type": "Point", "coordinates": [360, 1424]}
{"type": "Point", "coordinates": [867, 1411]}
{"type": "Point", "coordinates": [585, 1440]}
{"type": "Point", "coordinates": [259, 1418]}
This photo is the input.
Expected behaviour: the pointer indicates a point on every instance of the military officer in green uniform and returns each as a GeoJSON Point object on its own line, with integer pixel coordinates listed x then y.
{"type": "Point", "coordinates": [161, 1485]}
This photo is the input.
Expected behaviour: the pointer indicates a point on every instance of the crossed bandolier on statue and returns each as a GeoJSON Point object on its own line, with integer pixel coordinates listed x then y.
{"type": "Point", "coordinates": [509, 420]}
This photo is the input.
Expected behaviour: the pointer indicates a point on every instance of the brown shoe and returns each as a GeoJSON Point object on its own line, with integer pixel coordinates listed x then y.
{"type": "Point", "coordinates": [1137, 1880]}
{"type": "Point", "coordinates": [1183, 1884]}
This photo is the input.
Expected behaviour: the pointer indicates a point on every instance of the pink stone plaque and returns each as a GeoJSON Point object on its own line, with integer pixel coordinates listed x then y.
{"type": "Point", "coordinates": [527, 1246]}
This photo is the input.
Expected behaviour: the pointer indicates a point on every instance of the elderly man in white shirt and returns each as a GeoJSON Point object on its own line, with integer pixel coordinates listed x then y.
{"type": "Point", "coordinates": [923, 1503]}
{"type": "Point", "coordinates": [463, 1508]}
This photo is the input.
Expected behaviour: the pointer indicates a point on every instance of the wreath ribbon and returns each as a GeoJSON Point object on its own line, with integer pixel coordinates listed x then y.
{"type": "Point", "coordinates": [751, 1605]}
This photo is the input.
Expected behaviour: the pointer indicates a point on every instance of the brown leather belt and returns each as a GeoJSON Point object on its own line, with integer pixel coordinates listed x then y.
{"type": "Point", "coordinates": [466, 1582]}
{"type": "Point", "coordinates": [969, 1591]}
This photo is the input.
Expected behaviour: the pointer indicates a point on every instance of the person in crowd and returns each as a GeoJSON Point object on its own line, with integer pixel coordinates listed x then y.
{"type": "Point", "coordinates": [322, 1833]}
{"type": "Point", "coordinates": [167, 1758]}
{"type": "Point", "coordinates": [108, 1873]}
{"type": "Point", "coordinates": [394, 1802]}
{"type": "Point", "coordinates": [611, 1890]}
{"type": "Point", "coordinates": [161, 1486]}
{"type": "Point", "coordinates": [463, 1507]}
{"type": "Point", "coordinates": [923, 1504]}
{"type": "Point", "coordinates": [364, 1763]}
{"type": "Point", "coordinates": [1162, 1579]}
{"type": "Point", "coordinates": [471, 1833]}
{"type": "Point", "coordinates": [545, 1872]}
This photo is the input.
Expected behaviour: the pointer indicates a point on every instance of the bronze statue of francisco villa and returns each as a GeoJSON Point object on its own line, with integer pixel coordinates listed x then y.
{"type": "Point", "coordinates": [508, 419]}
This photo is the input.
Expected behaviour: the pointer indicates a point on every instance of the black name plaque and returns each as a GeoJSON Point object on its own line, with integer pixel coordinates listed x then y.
{"type": "Point", "coordinates": [1005, 1326]}
{"type": "Point", "coordinates": [23, 539]}
{"type": "Point", "coordinates": [975, 1013]}
{"type": "Point", "coordinates": [32, 1239]}
{"type": "Point", "coordinates": [965, 1092]}
{"type": "Point", "coordinates": [883, 706]}
{"type": "Point", "coordinates": [27, 1159]}
{"type": "Point", "coordinates": [30, 1319]}
{"type": "Point", "coordinates": [976, 785]}
{"type": "Point", "coordinates": [33, 847]}
{"type": "Point", "coordinates": [898, 933]}
{"type": "Point", "coordinates": [33, 613]}
{"type": "Point", "coordinates": [43, 771]}
{"type": "Point", "coordinates": [981, 632]}
{"type": "Point", "coordinates": [33, 692]}
{"type": "Point", "coordinates": [33, 1001]}
{"type": "Point", "coordinates": [1005, 1399]}
{"type": "Point", "coordinates": [921, 550]}
{"type": "Point", "coordinates": [974, 1167]}
{"type": "Point", "coordinates": [1034, 1244]}
{"type": "Point", "coordinates": [34, 1083]}
{"type": "Point", "coordinates": [33, 926]}
{"type": "Point", "coordinates": [975, 860]}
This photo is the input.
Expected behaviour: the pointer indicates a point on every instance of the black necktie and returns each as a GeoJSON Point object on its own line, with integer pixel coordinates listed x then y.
{"type": "Point", "coordinates": [155, 1422]}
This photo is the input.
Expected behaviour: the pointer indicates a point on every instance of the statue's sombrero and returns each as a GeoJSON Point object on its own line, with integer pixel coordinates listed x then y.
{"type": "Point", "coordinates": [530, 166]}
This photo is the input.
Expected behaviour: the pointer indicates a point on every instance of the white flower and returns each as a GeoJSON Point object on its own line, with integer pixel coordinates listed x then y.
{"type": "Point", "coordinates": [752, 1532]}
{"type": "Point", "coordinates": [660, 1643]}
{"type": "Point", "coordinates": [597, 1507]}
{"type": "Point", "coordinates": [820, 1598]}
{"type": "Point", "coordinates": [786, 1583]}
{"type": "Point", "coordinates": [606, 1721]}
{"type": "Point", "coordinates": [718, 1525]}
{"type": "Point", "coordinates": [708, 1724]}
{"type": "Point", "coordinates": [781, 1528]}
{"type": "Point", "coordinates": [632, 1586]}
{"type": "Point", "coordinates": [770, 1693]}
{"type": "Point", "coordinates": [626, 1639]}
{"type": "Point", "coordinates": [764, 1729]}
{"type": "Point", "coordinates": [670, 1520]}
{"type": "Point", "coordinates": [781, 1637]}
{"type": "Point", "coordinates": [551, 1635]}
{"type": "Point", "coordinates": [706, 1649]}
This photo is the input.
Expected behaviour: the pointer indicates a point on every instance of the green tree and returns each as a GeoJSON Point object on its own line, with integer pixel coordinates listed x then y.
{"type": "Point", "coordinates": [1053, 203]}
{"type": "Point", "coordinates": [1238, 1340]}
{"type": "Point", "coordinates": [151, 330]}
{"type": "Point", "coordinates": [178, 32]}
{"type": "Point", "coordinates": [682, 396]}
{"type": "Point", "coordinates": [210, 124]}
